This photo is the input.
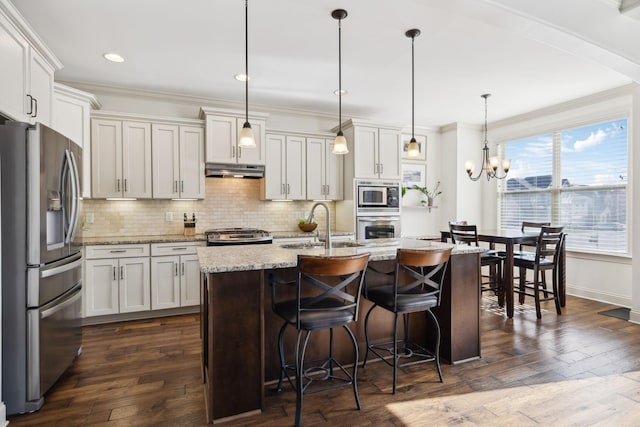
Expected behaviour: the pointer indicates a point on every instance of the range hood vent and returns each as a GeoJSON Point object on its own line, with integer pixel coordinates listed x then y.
{"type": "Point", "coordinates": [222, 170]}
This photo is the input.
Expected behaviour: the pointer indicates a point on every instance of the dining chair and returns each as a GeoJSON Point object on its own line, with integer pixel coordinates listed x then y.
{"type": "Point", "coordinates": [549, 246]}
{"type": "Point", "coordinates": [528, 250]}
{"type": "Point", "coordinates": [322, 301]}
{"type": "Point", "coordinates": [465, 234]}
{"type": "Point", "coordinates": [414, 285]}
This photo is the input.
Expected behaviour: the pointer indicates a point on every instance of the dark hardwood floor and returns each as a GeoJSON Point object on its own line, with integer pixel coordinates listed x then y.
{"type": "Point", "coordinates": [580, 368]}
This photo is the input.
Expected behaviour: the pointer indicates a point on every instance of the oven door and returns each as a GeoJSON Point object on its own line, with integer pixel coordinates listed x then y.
{"type": "Point", "coordinates": [374, 227]}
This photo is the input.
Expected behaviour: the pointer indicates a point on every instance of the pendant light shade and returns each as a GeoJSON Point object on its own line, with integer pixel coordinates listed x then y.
{"type": "Point", "coordinates": [413, 151]}
{"type": "Point", "coordinates": [340, 143]}
{"type": "Point", "coordinates": [246, 138]}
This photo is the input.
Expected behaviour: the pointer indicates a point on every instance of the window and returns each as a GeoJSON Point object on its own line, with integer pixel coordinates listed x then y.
{"type": "Point", "coordinates": [574, 177]}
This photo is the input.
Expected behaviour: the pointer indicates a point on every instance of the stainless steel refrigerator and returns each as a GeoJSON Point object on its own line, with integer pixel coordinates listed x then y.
{"type": "Point", "coordinates": [41, 261]}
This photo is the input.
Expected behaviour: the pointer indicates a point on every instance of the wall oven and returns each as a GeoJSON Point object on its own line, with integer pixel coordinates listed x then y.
{"type": "Point", "coordinates": [378, 197]}
{"type": "Point", "coordinates": [377, 227]}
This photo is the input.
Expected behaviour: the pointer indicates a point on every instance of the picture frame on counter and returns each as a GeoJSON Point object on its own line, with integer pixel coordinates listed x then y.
{"type": "Point", "coordinates": [414, 174]}
{"type": "Point", "coordinates": [422, 145]}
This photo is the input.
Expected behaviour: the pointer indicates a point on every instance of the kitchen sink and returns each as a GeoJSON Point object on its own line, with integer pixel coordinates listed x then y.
{"type": "Point", "coordinates": [346, 244]}
{"type": "Point", "coordinates": [303, 245]}
{"type": "Point", "coordinates": [316, 245]}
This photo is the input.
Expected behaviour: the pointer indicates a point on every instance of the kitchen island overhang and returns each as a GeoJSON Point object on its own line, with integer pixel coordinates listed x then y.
{"type": "Point", "coordinates": [239, 330]}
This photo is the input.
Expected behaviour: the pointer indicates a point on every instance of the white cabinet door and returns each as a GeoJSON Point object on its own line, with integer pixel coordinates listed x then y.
{"type": "Point", "coordinates": [324, 170]}
{"type": "Point", "coordinates": [14, 52]}
{"type": "Point", "coordinates": [274, 177]}
{"type": "Point", "coordinates": [40, 88]}
{"type": "Point", "coordinates": [295, 168]}
{"type": "Point", "coordinates": [365, 146]}
{"type": "Point", "coordinates": [136, 160]}
{"type": "Point", "coordinates": [106, 158]}
{"type": "Point", "coordinates": [220, 139]}
{"type": "Point", "coordinates": [191, 162]}
{"type": "Point", "coordinates": [101, 287]}
{"type": "Point", "coordinates": [389, 154]}
{"type": "Point", "coordinates": [166, 161]}
{"type": "Point", "coordinates": [71, 116]}
{"type": "Point", "coordinates": [316, 168]}
{"type": "Point", "coordinates": [165, 279]}
{"type": "Point", "coordinates": [334, 170]}
{"type": "Point", "coordinates": [256, 155]}
{"type": "Point", "coordinates": [134, 286]}
{"type": "Point", "coordinates": [189, 280]}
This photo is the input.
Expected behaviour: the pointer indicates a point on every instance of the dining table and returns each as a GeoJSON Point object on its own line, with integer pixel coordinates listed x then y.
{"type": "Point", "coordinates": [509, 238]}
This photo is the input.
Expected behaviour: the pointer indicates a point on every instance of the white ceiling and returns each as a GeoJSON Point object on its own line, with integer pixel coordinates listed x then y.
{"type": "Point", "coordinates": [528, 54]}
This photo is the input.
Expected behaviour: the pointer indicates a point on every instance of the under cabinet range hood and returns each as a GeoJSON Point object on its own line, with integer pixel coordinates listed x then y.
{"type": "Point", "coordinates": [223, 170]}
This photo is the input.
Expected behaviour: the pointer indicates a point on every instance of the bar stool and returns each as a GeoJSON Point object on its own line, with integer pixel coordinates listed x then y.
{"type": "Point", "coordinates": [464, 234]}
{"type": "Point", "coordinates": [414, 285]}
{"type": "Point", "coordinates": [322, 301]}
{"type": "Point", "coordinates": [549, 246]}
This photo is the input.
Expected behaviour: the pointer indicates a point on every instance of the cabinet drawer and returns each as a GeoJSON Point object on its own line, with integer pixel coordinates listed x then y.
{"type": "Point", "coordinates": [116, 251]}
{"type": "Point", "coordinates": [175, 248]}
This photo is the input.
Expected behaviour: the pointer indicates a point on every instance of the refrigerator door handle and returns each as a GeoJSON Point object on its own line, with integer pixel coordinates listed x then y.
{"type": "Point", "coordinates": [75, 197]}
{"type": "Point", "coordinates": [47, 312]}
{"type": "Point", "coordinates": [61, 269]}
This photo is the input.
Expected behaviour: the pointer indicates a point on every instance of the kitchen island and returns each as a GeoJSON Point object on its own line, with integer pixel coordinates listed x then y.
{"type": "Point", "coordinates": [239, 329]}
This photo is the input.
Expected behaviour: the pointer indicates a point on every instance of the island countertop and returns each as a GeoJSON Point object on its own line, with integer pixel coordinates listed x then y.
{"type": "Point", "coordinates": [220, 259]}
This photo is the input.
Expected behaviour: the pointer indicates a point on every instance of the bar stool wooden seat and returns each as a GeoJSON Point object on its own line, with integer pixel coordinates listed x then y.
{"type": "Point", "coordinates": [322, 301]}
{"type": "Point", "coordinates": [549, 246]}
{"type": "Point", "coordinates": [414, 285]}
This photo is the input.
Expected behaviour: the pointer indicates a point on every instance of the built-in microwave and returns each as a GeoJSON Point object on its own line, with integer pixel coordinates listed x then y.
{"type": "Point", "coordinates": [378, 196]}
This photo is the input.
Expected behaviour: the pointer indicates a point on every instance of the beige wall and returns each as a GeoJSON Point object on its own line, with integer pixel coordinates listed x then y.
{"type": "Point", "coordinates": [229, 202]}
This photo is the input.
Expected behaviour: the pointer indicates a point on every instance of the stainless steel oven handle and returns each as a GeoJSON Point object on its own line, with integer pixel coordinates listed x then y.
{"type": "Point", "coordinates": [61, 269]}
{"type": "Point", "coordinates": [61, 306]}
{"type": "Point", "coordinates": [378, 219]}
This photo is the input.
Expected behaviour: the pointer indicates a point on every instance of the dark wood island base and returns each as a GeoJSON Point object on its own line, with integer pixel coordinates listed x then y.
{"type": "Point", "coordinates": [239, 332]}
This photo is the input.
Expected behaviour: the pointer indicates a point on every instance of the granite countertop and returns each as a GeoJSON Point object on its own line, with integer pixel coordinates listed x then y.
{"type": "Point", "coordinates": [129, 240]}
{"type": "Point", "coordinates": [220, 259]}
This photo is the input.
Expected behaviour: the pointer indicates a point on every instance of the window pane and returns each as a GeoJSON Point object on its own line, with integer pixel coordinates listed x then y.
{"type": "Point", "coordinates": [531, 163]}
{"type": "Point", "coordinates": [595, 155]}
{"type": "Point", "coordinates": [595, 219]}
{"type": "Point", "coordinates": [518, 207]}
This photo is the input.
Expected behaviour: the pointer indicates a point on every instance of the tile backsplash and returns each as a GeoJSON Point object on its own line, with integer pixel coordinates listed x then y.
{"type": "Point", "coordinates": [228, 202]}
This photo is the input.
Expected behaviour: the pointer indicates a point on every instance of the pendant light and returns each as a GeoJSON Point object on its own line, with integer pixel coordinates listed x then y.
{"type": "Point", "coordinates": [246, 139]}
{"type": "Point", "coordinates": [340, 143]}
{"type": "Point", "coordinates": [413, 151]}
{"type": "Point", "coordinates": [489, 164]}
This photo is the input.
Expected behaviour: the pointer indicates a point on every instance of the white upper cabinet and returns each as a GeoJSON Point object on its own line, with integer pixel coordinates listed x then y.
{"type": "Point", "coordinates": [324, 170]}
{"type": "Point", "coordinates": [285, 171]}
{"type": "Point", "coordinates": [374, 151]}
{"type": "Point", "coordinates": [222, 128]}
{"type": "Point", "coordinates": [121, 159]}
{"type": "Point", "coordinates": [178, 166]}
{"type": "Point", "coordinates": [71, 116]}
{"type": "Point", "coordinates": [26, 74]}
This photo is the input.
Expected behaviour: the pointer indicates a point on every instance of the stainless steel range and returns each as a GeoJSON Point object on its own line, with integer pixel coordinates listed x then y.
{"type": "Point", "coordinates": [237, 236]}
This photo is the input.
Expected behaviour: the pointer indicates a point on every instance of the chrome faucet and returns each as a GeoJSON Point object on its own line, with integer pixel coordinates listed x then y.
{"type": "Point", "coordinates": [327, 242]}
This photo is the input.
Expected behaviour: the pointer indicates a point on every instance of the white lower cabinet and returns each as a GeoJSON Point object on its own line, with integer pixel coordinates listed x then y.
{"type": "Point", "coordinates": [175, 275]}
{"type": "Point", "coordinates": [117, 279]}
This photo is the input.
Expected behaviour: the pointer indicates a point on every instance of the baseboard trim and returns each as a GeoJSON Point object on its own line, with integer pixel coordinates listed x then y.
{"type": "Point", "coordinates": [619, 300]}
{"type": "Point", "coordinates": [139, 315]}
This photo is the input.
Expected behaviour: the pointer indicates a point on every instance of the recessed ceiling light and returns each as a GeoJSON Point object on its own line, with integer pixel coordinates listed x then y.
{"type": "Point", "coordinates": [241, 77]}
{"type": "Point", "coordinates": [344, 92]}
{"type": "Point", "coordinates": [113, 57]}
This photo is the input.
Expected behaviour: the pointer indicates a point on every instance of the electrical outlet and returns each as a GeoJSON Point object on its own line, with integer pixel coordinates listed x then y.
{"type": "Point", "coordinates": [89, 218]}
{"type": "Point", "coordinates": [168, 216]}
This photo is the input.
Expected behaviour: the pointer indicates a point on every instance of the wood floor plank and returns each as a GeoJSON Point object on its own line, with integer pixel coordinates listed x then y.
{"type": "Point", "coordinates": [579, 368]}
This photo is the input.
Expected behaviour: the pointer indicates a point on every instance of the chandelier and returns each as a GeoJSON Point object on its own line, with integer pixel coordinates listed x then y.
{"type": "Point", "coordinates": [489, 164]}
